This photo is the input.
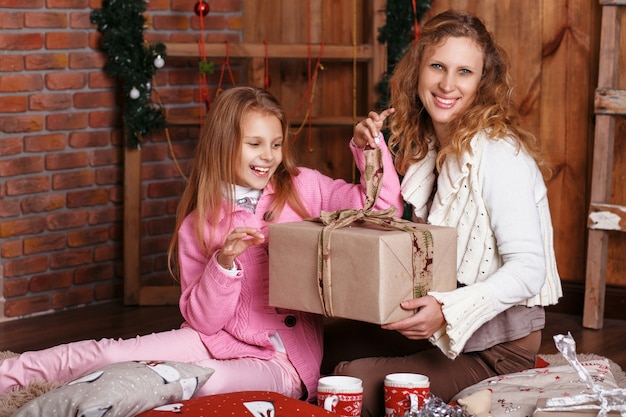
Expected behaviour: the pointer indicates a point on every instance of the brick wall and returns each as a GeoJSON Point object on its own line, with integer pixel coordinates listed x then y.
{"type": "Point", "coordinates": [62, 151]}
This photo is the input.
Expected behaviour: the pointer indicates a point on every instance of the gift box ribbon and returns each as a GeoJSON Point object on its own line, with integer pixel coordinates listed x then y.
{"type": "Point", "coordinates": [422, 240]}
{"type": "Point", "coordinates": [601, 399]}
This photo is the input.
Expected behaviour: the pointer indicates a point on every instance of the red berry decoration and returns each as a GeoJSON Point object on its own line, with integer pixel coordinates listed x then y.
{"type": "Point", "coordinates": [201, 8]}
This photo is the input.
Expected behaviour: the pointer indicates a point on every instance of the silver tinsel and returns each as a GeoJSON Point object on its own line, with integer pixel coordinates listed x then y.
{"type": "Point", "coordinates": [601, 401]}
{"type": "Point", "coordinates": [436, 407]}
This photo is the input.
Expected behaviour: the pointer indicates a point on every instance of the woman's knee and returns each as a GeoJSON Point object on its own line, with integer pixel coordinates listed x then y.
{"type": "Point", "coordinates": [340, 368]}
{"type": "Point", "coordinates": [357, 368]}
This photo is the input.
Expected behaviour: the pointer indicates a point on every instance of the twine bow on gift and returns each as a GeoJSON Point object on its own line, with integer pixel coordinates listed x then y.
{"type": "Point", "coordinates": [373, 175]}
{"type": "Point", "coordinates": [603, 400]}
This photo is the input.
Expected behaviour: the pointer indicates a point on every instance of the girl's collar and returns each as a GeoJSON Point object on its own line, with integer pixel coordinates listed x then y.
{"type": "Point", "coordinates": [241, 192]}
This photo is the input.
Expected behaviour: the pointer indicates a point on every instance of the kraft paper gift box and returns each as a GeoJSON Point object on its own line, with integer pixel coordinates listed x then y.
{"type": "Point", "coordinates": [371, 268]}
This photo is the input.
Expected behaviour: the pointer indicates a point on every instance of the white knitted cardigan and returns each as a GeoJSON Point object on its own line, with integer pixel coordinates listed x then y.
{"type": "Point", "coordinates": [459, 203]}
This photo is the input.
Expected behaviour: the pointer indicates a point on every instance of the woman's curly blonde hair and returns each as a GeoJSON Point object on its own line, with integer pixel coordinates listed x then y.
{"type": "Point", "coordinates": [493, 109]}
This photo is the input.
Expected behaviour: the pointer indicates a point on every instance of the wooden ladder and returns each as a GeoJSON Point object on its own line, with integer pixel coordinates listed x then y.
{"type": "Point", "coordinates": [609, 103]}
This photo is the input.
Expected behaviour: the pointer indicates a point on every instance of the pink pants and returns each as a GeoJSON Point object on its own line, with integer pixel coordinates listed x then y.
{"type": "Point", "coordinates": [66, 362]}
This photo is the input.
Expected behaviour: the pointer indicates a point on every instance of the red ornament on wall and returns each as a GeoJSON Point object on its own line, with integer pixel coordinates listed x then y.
{"type": "Point", "coordinates": [201, 8]}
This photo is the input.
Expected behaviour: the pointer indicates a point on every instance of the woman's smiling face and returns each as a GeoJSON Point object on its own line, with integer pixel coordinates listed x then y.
{"type": "Point", "coordinates": [448, 80]}
{"type": "Point", "coordinates": [261, 150]}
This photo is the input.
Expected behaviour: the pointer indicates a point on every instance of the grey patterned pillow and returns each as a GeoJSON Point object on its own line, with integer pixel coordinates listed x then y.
{"type": "Point", "coordinates": [119, 390]}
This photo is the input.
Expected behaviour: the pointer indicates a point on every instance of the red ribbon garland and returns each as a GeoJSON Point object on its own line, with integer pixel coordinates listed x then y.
{"type": "Point", "coordinates": [204, 89]}
{"type": "Point", "coordinates": [416, 29]}
{"type": "Point", "coordinates": [226, 66]}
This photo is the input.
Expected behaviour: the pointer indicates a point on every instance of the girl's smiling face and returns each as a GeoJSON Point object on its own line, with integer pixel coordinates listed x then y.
{"type": "Point", "coordinates": [261, 150]}
{"type": "Point", "coordinates": [448, 80]}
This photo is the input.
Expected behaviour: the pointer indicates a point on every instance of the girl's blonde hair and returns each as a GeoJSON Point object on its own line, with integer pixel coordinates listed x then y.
{"type": "Point", "coordinates": [493, 108]}
{"type": "Point", "coordinates": [209, 191]}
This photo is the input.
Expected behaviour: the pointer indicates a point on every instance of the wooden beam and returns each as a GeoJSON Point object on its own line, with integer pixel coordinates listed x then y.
{"type": "Point", "coordinates": [134, 292]}
{"type": "Point", "coordinates": [186, 50]}
{"type": "Point", "coordinates": [330, 121]}
{"type": "Point", "coordinates": [157, 295]}
{"type": "Point", "coordinates": [610, 101]}
{"type": "Point", "coordinates": [132, 225]}
{"type": "Point", "coordinates": [607, 217]}
{"type": "Point", "coordinates": [378, 65]}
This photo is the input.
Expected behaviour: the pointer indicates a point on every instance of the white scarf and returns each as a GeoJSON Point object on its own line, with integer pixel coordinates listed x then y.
{"type": "Point", "coordinates": [459, 195]}
{"type": "Point", "coordinates": [417, 185]}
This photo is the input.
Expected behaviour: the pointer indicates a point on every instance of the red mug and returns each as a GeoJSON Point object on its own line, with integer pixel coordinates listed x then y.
{"type": "Point", "coordinates": [405, 393]}
{"type": "Point", "coordinates": [342, 395]}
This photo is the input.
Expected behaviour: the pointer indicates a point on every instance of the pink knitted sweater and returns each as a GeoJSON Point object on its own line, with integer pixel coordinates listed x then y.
{"type": "Point", "coordinates": [232, 314]}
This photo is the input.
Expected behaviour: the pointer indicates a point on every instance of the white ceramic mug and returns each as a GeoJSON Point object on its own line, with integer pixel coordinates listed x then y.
{"type": "Point", "coordinates": [405, 393]}
{"type": "Point", "coordinates": [342, 395]}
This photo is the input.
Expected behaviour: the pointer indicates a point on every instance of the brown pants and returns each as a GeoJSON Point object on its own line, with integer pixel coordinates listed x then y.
{"type": "Point", "coordinates": [447, 377]}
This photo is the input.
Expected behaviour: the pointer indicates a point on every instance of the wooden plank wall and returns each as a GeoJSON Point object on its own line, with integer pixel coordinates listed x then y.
{"type": "Point", "coordinates": [553, 46]}
{"type": "Point", "coordinates": [318, 22]}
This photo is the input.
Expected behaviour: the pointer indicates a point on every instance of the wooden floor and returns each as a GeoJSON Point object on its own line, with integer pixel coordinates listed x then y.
{"type": "Point", "coordinates": [116, 320]}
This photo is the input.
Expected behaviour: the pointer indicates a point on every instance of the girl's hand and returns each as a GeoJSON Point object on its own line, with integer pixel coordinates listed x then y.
{"type": "Point", "coordinates": [423, 324]}
{"type": "Point", "coordinates": [240, 239]}
{"type": "Point", "coordinates": [368, 131]}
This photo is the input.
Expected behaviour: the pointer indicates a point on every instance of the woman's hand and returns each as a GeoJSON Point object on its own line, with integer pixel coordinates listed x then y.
{"type": "Point", "coordinates": [367, 132]}
{"type": "Point", "coordinates": [240, 239]}
{"type": "Point", "coordinates": [423, 324]}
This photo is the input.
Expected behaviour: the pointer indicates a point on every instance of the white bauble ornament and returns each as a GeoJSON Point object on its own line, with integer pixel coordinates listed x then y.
{"type": "Point", "coordinates": [134, 93]}
{"type": "Point", "coordinates": [159, 61]}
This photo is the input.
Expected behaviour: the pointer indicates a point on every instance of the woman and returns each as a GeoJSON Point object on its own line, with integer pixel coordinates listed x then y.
{"type": "Point", "coordinates": [467, 163]}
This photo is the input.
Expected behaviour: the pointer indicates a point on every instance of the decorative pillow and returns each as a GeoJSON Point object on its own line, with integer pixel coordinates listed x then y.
{"type": "Point", "coordinates": [516, 394]}
{"type": "Point", "coordinates": [120, 390]}
{"type": "Point", "coordinates": [239, 404]}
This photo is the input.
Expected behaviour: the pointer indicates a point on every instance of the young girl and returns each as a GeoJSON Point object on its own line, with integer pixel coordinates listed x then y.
{"type": "Point", "coordinates": [466, 163]}
{"type": "Point", "coordinates": [243, 178]}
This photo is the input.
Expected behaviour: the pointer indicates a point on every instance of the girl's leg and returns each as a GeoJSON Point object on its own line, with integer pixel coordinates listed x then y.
{"type": "Point", "coordinates": [251, 374]}
{"type": "Point", "coordinates": [65, 362]}
{"type": "Point", "coordinates": [68, 361]}
{"type": "Point", "coordinates": [447, 377]}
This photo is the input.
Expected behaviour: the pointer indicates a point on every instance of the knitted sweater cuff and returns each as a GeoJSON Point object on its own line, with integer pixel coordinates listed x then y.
{"type": "Point", "coordinates": [465, 310]}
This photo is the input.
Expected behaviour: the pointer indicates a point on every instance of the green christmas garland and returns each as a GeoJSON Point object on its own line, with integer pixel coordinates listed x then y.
{"type": "Point", "coordinates": [131, 59]}
{"type": "Point", "coordinates": [397, 33]}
